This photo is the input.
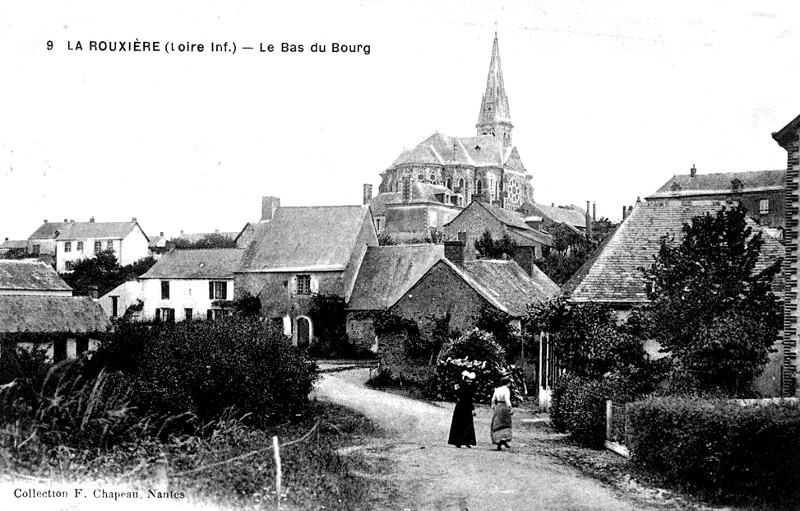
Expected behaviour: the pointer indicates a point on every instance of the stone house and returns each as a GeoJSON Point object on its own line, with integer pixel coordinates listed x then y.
{"type": "Point", "coordinates": [42, 242]}
{"type": "Point", "coordinates": [13, 249]}
{"type": "Point", "coordinates": [761, 192]}
{"type": "Point", "coordinates": [81, 240]}
{"type": "Point", "coordinates": [185, 285]}
{"type": "Point", "coordinates": [479, 217]}
{"type": "Point", "coordinates": [612, 274]}
{"type": "Point", "coordinates": [385, 275]}
{"type": "Point", "coordinates": [301, 252]}
{"type": "Point", "coordinates": [37, 310]}
{"type": "Point", "coordinates": [789, 139]}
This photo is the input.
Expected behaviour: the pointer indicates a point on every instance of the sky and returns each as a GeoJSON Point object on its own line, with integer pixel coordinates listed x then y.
{"type": "Point", "coordinates": [609, 100]}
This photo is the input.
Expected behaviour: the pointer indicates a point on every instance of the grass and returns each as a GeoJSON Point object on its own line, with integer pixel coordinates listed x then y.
{"type": "Point", "coordinates": [315, 477]}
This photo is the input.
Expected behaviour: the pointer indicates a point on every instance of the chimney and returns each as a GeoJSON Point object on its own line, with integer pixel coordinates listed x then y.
{"type": "Point", "coordinates": [6, 239]}
{"type": "Point", "coordinates": [594, 212]}
{"type": "Point", "coordinates": [216, 231]}
{"type": "Point", "coordinates": [93, 292]}
{"type": "Point", "coordinates": [692, 171]}
{"type": "Point", "coordinates": [638, 200]}
{"type": "Point", "coordinates": [45, 220]}
{"type": "Point", "coordinates": [367, 193]}
{"type": "Point", "coordinates": [406, 189]}
{"type": "Point", "coordinates": [66, 220]}
{"type": "Point", "coordinates": [552, 204]}
{"type": "Point", "coordinates": [588, 223]}
{"type": "Point", "coordinates": [455, 250]}
{"type": "Point", "coordinates": [268, 207]}
{"type": "Point", "coordinates": [624, 212]}
{"type": "Point", "coordinates": [133, 219]}
{"type": "Point", "coordinates": [161, 233]}
{"type": "Point", "coordinates": [524, 257]}
{"type": "Point", "coordinates": [91, 220]}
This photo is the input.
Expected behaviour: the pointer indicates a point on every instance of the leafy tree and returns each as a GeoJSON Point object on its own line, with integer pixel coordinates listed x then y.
{"type": "Point", "coordinates": [489, 248]}
{"type": "Point", "coordinates": [209, 241]}
{"type": "Point", "coordinates": [247, 305]}
{"type": "Point", "coordinates": [571, 249]}
{"type": "Point", "coordinates": [711, 307]}
{"type": "Point", "coordinates": [103, 273]}
{"type": "Point", "coordinates": [498, 323]}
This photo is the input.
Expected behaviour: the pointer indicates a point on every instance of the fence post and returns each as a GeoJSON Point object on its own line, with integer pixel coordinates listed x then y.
{"type": "Point", "coordinates": [161, 473]}
{"type": "Point", "coordinates": [609, 413]}
{"type": "Point", "coordinates": [278, 475]}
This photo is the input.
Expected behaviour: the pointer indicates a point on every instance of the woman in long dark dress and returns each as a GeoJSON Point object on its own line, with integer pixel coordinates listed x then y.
{"type": "Point", "coordinates": [501, 418]}
{"type": "Point", "coordinates": [462, 429]}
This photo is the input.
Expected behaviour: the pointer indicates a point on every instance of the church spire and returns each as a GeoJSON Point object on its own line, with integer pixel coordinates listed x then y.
{"type": "Point", "coordinates": [495, 116]}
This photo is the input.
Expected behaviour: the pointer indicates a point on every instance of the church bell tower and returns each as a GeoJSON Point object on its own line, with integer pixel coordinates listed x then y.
{"type": "Point", "coordinates": [495, 116]}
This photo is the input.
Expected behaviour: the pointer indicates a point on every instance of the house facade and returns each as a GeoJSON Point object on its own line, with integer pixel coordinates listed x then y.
{"type": "Point", "coordinates": [760, 192]}
{"type": "Point", "coordinates": [301, 252]}
{"type": "Point", "coordinates": [789, 139]}
{"type": "Point", "coordinates": [185, 285]}
{"type": "Point", "coordinates": [82, 240]}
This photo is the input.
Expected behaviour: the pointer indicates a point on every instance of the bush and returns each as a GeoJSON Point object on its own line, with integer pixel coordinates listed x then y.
{"type": "Point", "coordinates": [487, 376]}
{"type": "Point", "coordinates": [205, 367]}
{"type": "Point", "coordinates": [578, 406]}
{"type": "Point", "coordinates": [719, 447]}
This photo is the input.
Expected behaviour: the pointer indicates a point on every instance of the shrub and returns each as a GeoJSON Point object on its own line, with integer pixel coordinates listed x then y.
{"type": "Point", "coordinates": [205, 367]}
{"type": "Point", "coordinates": [578, 406]}
{"type": "Point", "coordinates": [487, 376]}
{"type": "Point", "coordinates": [719, 447]}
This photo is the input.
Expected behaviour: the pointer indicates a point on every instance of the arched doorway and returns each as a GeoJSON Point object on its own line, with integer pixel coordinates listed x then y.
{"type": "Point", "coordinates": [303, 332]}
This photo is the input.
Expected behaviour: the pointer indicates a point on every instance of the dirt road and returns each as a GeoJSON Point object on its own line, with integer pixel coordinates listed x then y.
{"type": "Point", "coordinates": [435, 476]}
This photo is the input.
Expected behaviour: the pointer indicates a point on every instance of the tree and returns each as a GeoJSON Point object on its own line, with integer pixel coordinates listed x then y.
{"type": "Point", "coordinates": [571, 249]}
{"type": "Point", "coordinates": [489, 248]}
{"type": "Point", "coordinates": [102, 273]}
{"type": "Point", "coordinates": [209, 241]}
{"type": "Point", "coordinates": [711, 307]}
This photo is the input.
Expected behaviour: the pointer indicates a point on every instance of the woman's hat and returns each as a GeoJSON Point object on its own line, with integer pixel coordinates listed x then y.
{"type": "Point", "coordinates": [466, 375]}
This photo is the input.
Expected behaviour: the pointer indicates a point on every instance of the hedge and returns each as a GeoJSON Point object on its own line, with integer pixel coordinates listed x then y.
{"type": "Point", "coordinates": [719, 447]}
{"type": "Point", "coordinates": [578, 406]}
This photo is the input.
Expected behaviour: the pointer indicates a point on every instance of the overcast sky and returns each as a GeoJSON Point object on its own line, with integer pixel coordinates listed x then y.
{"type": "Point", "coordinates": [609, 99]}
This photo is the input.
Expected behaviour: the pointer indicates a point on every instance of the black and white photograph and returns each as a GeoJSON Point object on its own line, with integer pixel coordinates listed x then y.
{"type": "Point", "coordinates": [406, 256]}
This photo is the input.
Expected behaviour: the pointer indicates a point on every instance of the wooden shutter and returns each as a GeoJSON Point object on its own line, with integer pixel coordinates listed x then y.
{"type": "Point", "coordinates": [210, 290]}
{"type": "Point", "coordinates": [224, 290]}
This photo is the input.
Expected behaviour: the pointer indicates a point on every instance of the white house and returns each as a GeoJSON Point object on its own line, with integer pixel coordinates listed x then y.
{"type": "Point", "coordinates": [82, 240]}
{"type": "Point", "coordinates": [189, 285]}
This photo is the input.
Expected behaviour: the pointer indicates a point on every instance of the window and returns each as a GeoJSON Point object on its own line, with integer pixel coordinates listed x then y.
{"type": "Point", "coordinates": [67, 246]}
{"type": "Point", "coordinates": [36, 248]}
{"type": "Point", "coordinates": [187, 314]}
{"type": "Point", "coordinates": [763, 206]}
{"type": "Point", "coordinates": [81, 345]}
{"type": "Point", "coordinates": [80, 246]}
{"type": "Point", "coordinates": [217, 290]}
{"type": "Point", "coordinates": [479, 187]}
{"type": "Point", "coordinates": [304, 284]}
{"type": "Point", "coordinates": [69, 265]}
{"type": "Point", "coordinates": [97, 247]}
{"type": "Point", "coordinates": [165, 290]}
{"type": "Point", "coordinates": [449, 183]}
{"type": "Point", "coordinates": [110, 245]}
{"type": "Point", "coordinates": [114, 306]}
{"type": "Point", "coordinates": [165, 314]}
{"type": "Point", "coordinates": [214, 314]}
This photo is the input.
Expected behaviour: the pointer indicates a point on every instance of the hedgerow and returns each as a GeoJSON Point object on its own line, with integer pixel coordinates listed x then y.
{"type": "Point", "coordinates": [719, 447]}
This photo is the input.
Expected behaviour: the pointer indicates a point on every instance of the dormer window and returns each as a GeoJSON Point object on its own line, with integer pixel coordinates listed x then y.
{"type": "Point", "coordinates": [763, 206]}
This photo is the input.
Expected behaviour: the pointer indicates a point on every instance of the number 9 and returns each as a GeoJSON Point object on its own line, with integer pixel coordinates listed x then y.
{"type": "Point", "coordinates": [49, 45]}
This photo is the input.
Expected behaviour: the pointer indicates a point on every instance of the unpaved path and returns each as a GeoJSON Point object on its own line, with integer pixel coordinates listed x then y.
{"type": "Point", "coordinates": [432, 475]}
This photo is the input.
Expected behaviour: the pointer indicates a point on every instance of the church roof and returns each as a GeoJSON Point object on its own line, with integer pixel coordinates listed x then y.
{"type": "Point", "coordinates": [311, 238]}
{"type": "Point", "coordinates": [478, 151]}
{"type": "Point", "coordinates": [686, 185]}
{"type": "Point", "coordinates": [494, 107]}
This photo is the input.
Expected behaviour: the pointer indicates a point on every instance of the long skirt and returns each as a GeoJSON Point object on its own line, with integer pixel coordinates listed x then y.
{"type": "Point", "coordinates": [462, 429]}
{"type": "Point", "coordinates": [501, 423]}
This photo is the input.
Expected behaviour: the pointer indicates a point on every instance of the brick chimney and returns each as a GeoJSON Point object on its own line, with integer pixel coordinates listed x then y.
{"type": "Point", "coordinates": [367, 193]}
{"type": "Point", "coordinates": [588, 223]}
{"type": "Point", "coordinates": [406, 189]}
{"type": "Point", "coordinates": [594, 211]}
{"type": "Point", "coordinates": [692, 171]}
{"type": "Point", "coordinates": [458, 251]}
{"type": "Point", "coordinates": [268, 207]}
{"type": "Point", "coordinates": [91, 220]}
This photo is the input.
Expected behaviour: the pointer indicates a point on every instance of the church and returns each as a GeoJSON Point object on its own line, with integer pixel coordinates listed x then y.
{"type": "Point", "coordinates": [427, 186]}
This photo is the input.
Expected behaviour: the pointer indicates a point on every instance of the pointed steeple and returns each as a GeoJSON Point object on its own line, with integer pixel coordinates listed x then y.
{"type": "Point", "coordinates": [495, 116]}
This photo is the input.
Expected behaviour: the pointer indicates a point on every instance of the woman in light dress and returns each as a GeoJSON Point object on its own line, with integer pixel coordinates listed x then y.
{"type": "Point", "coordinates": [501, 418]}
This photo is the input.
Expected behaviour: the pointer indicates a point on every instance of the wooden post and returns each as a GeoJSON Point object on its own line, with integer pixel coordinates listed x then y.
{"type": "Point", "coordinates": [609, 413]}
{"type": "Point", "coordinates": [161, 473]}
{"type": "Point", "coordinates": [278, 475]}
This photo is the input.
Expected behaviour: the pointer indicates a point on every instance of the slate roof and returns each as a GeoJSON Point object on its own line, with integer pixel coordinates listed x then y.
{"type": "Point", "coordinates": [386, 274]}
{"type": "Point", "coordinates": [14, 244]}
{"type": "Point", "coordinates": [47, 230]}
{"type": "Point", "coordinates": [787, 133]}
{"type": "Point", "coordinates": [78, 314]}
{"type": "Point", "coordinates": [505, 285]}
{"type": "Point", "coordinates": [478, 151]}
{"type": "Point", "coordinates": [30, 276]}
{"type": "Point", "coordinates": [311, 238]}
{"type": "Point", "coordinates": [512, 220]}
{"type": "Point", "coordinates": [216, 263]}
{"type": "Point", "coordinates": [611, 275]}
{"type": "Point", "coordinates": [95, 230]}
{"type": "Point", "coordinates": [570, 215]}
{"type": "Point", "coordinates": [684, 185]}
